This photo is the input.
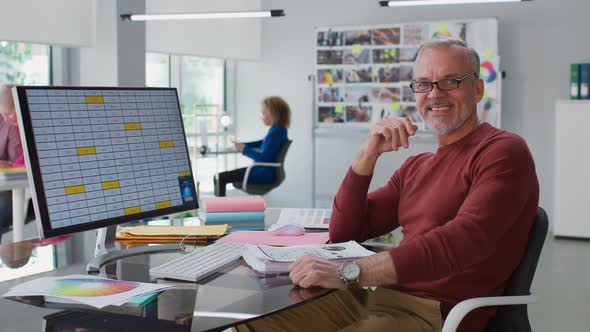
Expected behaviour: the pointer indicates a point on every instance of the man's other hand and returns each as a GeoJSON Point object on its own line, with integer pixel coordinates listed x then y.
{"type": "Point", "coordinates": [312, 271]}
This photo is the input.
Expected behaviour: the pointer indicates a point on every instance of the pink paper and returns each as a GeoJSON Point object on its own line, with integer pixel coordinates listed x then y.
{"type": "Point", "coordinates": [234, 204]}
{"type": "Point", "coordinates": [267, 238]}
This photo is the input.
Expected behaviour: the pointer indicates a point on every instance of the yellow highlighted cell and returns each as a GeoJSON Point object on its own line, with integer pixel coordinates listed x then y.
{"type": "Point", "coordinates": [166, 144]}
{"type": "Point", "coordinates": [163, 204]}
{"type": "Point", "coordinates": [185, 173]}
{"type": "Point", "coordinates": [86, 150]}
{"type": "Point", "coordinates": [132, 210]}
{"type": "Point", "coordinates": [94, 99]}
{"type": "Point", "coordinates": [74, 190]}
{"type": "Point", "coordinates": [110, 184]}
{"type": "Point", "coordinates": [132, 126]}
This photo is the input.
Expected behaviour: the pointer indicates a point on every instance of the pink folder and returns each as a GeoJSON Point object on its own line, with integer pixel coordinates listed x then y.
{"type": "Point", "coordinates": [234, 204]}
{"type": "Point", "coordinates": [266, 238]}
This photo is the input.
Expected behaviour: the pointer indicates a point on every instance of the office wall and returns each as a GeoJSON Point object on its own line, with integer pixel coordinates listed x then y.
{"type": "Point", "coordinates": [58, 22]}
{"type": "Point", "coordinates": [537, 41]}
{"type": "Point", "coordinates": [235, 39]}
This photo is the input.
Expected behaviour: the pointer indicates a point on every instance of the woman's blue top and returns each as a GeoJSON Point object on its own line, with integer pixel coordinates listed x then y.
{"type": "Point", "coordinates": [266, 150]}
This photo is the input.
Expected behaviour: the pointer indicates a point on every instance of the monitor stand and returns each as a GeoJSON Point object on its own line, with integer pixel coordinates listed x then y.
{"type": "Point", "coordinates": [105, 250]}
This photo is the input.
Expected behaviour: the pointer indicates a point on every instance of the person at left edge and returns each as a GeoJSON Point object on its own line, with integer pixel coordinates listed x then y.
{"type": "Point", "coordinates": [10, 149]}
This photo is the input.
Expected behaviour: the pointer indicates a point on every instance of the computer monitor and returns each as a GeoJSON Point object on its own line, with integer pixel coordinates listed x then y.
{"type": "Point", "coordinates": [102, 156]}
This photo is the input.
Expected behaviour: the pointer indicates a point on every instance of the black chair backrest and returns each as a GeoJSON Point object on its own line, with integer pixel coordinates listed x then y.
{"type": "Point", "coordinates": [514, 318]}
{"type": "Point", "coordinates": [281, 159]}
{"type": "Point", "coordinates": [261, 189]}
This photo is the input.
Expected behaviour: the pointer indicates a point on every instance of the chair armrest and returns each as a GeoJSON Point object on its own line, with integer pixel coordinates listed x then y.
{"type": "Point", "coordinates": [245, 181]}
{"type": "Point", "coordinates": [464, 307]}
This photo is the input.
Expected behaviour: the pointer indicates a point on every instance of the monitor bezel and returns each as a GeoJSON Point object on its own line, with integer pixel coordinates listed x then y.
{"type": "Point", "coordinates": [35, 176]}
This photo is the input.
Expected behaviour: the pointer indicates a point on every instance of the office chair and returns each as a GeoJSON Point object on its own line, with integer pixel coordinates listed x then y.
{"type": "Point", "coordinates": [261, 189]}
{"type": "Point", "coordinates": [512, 314]}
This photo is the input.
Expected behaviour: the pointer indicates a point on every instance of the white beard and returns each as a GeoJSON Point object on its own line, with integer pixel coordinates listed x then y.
{"type": "Point", "coordinates": [449, 128]}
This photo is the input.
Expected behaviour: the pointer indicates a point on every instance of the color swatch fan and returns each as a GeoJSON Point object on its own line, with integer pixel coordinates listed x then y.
{"type": "Point", "coordinates": [91, 287]}
{"type": "Point", "coordinates": [87, 290]}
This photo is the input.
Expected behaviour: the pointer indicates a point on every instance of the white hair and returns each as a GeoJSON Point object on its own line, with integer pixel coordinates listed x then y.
{"type": "Point", "coordinates": [448, 42]}
{"type": "Point", "coordinates": [7, 110]}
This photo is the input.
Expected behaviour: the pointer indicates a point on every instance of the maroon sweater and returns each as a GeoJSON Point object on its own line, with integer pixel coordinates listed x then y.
{"type": "Point", "coordinates": [465, 212]}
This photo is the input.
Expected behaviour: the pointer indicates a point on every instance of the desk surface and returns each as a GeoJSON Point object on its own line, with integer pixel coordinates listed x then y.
{"type": "Point", "coordinates": [222, 300]}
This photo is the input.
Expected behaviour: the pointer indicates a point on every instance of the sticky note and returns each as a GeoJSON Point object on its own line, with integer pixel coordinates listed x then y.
{"type": "Point", "coordinates": [339, 109]}
{"type": "Point", "coordinates": [395, 106]}
{"type": "Point", "coordinates": [488, 55]}
{"type": "Point", "coordinates": [393, 52]}
{"type": "Point", "coordinates": [443, 28]}
{"type": "Point", "coordinates": [356, 49]}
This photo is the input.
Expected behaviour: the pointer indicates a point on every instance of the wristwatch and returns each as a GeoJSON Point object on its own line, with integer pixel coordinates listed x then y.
{"type": "Point", "coordinates": [350, 273]}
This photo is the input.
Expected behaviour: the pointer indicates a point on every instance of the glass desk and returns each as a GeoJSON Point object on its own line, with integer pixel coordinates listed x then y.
{"type": "Point", "coordinates": [220, 301]}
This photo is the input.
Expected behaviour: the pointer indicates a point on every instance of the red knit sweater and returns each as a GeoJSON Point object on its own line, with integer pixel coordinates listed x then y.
{"type": "Point", "coordinates": [465, 212]}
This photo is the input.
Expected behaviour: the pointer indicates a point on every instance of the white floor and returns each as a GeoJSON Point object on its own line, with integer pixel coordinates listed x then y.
{"type": "Point", "coordinates": [562, 282]}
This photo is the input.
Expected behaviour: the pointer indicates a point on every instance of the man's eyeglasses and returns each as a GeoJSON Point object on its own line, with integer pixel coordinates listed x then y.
{"type": "Point", "coordinates": [443, 85]}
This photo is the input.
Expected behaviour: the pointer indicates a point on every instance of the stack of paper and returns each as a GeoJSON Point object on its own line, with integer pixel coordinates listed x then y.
{"type": "Point", "coordinates": [89, 290]}
{"type": "Point", "coordinates": [240, 212]}
{"type": "Point", "coordinates": [269, 239]}
{"type": "Point", "coordinates": [267, 259]}
{"type": "Point", "coordinates": [13, 173]}
{"type": "Point", "coordinates": [170, 234]}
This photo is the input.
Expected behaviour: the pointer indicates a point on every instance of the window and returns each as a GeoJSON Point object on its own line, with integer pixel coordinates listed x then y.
{"type": "Point", "coordinates": [202, 86]}
{"type": "Point", "coordinates": [202, 83]}
{"type": "Point", "coordinates": [157, 70]}
{"type": "Point", "coordinates": [202, 93]}
{"type": "Point", "coordinates": [25, 63]}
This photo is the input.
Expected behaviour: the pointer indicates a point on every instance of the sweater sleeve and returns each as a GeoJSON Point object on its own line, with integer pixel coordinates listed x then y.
{"type": "Point", "coordinates": [14, 146]}
{"type": "Point", "coordinates": [269, 148]}
{"type": "Point", "coordinates": [358, 215]}
{"type": "Point", "coordinates": [253, 144]}
{"type": "Point", "coordinates": [503, 182]}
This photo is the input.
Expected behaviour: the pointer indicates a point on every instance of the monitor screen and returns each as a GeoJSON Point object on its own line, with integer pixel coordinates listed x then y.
{"type": "Point", "coordinates": [103, 156]}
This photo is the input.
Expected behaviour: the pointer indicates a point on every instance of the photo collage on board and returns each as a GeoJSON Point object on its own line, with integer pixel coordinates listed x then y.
{"type": "Point", "coordinates": [364, 75]}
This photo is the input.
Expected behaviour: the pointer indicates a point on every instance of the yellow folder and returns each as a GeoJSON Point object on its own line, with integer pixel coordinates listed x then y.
{"type": "Point", "coordinates": [144, 231]}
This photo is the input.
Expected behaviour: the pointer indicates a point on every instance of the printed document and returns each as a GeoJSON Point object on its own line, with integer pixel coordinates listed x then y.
{"type": "Point", "coordinates": [277, 259]}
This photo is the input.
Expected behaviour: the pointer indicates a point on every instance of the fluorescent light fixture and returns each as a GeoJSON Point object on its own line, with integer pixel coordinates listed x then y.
{"type": "Point", "coordinates": [201, 16]}
{"type": "Point", "coordinates": [410, 3]}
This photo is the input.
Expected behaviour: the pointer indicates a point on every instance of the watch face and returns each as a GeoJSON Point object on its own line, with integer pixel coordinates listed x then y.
{"type": "Point", "coordinates": [350, 271]}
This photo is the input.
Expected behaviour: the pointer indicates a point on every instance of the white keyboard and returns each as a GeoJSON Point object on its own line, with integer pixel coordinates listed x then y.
{"type": "Point", "coordinates": [201, 262]}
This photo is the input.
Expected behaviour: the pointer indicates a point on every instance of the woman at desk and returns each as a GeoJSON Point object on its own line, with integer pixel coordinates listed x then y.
{"type": "Point", "coordinates": [275, 113]}
{"type": "Point", "coordinates": [10, 149]}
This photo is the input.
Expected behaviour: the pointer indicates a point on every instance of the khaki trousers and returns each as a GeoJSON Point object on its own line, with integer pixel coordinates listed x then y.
{"type": "Point", "coordinates": [380, 310]}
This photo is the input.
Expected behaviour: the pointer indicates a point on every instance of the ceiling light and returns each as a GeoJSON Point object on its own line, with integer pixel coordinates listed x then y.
{"type": "Point", "coordinates": [197, 16]}
{"type": "Point", "coordinates": [409, 3]}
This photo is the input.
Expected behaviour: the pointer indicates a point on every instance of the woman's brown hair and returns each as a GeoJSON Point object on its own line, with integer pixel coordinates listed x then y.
{"type": "Point", "coordinates": [279, 110]}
